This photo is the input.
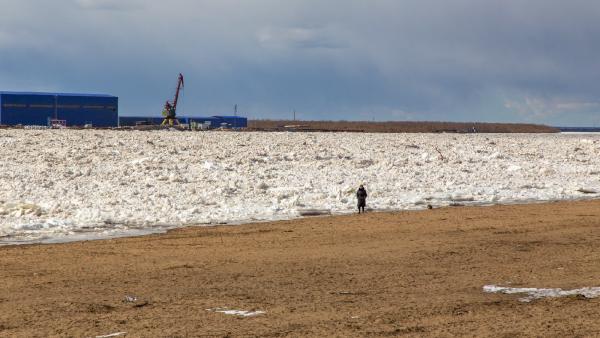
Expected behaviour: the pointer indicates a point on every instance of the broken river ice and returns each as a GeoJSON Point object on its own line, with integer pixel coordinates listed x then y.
{"type": "Point", "coordinates": [60, 185]}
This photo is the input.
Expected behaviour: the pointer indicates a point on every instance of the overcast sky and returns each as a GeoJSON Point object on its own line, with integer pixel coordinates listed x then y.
{"type": "Point", "coordinates": [452, 60]}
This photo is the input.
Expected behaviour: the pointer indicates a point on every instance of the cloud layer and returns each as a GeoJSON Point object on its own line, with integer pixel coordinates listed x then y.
{"type": "Point", "coordinates": [457, 60]}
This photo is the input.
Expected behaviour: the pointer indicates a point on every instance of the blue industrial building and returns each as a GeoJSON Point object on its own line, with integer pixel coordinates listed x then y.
{"type": "Point", "coordinates": [75, 109]}
{"type": "Point", "coordinates": [233, 121]}
{"type": "Point", "coordinates": [215, 121]}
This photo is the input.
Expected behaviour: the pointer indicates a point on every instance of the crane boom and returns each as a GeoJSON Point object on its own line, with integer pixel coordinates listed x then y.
{"type": "Point", "coordinates": [179, 86]}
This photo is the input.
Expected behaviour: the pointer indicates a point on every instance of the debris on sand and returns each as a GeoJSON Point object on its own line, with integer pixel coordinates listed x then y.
{"type": "Point", "coordinates": [130, 299]}
{"type": "Point", "coordinates": [135, 301]}
{"type": "Point", "coordinates": [535, 293]}
{"type": "Point", "coordinates": [314, 212]}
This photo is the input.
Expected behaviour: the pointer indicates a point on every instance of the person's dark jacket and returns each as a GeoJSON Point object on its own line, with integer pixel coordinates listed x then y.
{"type": "Point", "coordinates": [361, 195]}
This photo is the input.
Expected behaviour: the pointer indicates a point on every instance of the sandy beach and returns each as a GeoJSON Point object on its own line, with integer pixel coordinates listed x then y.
{"type": "Point", "coordinates": [414, 273]}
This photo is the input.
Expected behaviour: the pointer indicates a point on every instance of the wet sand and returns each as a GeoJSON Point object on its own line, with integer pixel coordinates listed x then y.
{"type": "Point", "coordinates": [380, 274]}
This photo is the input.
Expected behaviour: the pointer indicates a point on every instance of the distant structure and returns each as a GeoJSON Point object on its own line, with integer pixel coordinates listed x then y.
{"type": "Point", "coordinates": [579, 129]}
{"type": "Point", "coordinates": [233, 122]}
{"type": "Point", "coordinates": [170, 109]}
{"type": "Point", "coordinates": [47, 109]}
{"type": "Point", "coordinates": [235, 114]}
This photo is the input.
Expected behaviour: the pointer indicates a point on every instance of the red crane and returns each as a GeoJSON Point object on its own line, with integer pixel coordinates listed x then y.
{"type": "Point", "coordinates": [170, 110]}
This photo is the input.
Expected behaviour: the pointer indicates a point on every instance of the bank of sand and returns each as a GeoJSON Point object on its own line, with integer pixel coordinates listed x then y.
{"type": "Point", "coordinates": [413, 273]}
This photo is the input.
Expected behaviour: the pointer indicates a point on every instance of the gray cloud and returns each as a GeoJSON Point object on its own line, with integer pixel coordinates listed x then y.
{"type": "Point", "coordinates": [112, 5]}
{"type": "Point", "coordinates": [297, 38]}
{"type": "Point", "coordinates": [340, 59]}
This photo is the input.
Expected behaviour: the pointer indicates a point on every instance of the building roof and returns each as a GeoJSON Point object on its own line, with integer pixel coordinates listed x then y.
{"type": "Point", "coordinates": [55, 94]}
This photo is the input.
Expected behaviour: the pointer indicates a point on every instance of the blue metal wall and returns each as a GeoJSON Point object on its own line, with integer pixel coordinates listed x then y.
{"type": "Point", "coordinates": [76, 109]}
{"type": "Point", "coordinates": [234, 121]}
{"type": "Point", "coordinates": [214, 122]}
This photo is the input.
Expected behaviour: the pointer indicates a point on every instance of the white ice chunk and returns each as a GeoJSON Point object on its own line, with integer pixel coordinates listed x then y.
{"type": "Point", "coordinates": [208, 165]}
{"type": "Point", "coordinates": [462, 198]}
{"type": "Point", "coordinates": [241, 313]}
{"type": "Point", "coordinates": [116, 334]}
{"type": "Point", "coordinates": [513, 168]}
{"type": "Point", "coordinates": [535, 293]}
{"type": "Point", "coordinates": [496, 155]}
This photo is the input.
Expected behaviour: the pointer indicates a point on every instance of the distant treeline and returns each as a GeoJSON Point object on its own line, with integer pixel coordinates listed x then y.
{"type": "Point", "coordinates": [580, 129]}
{"type": "Point", "coordinates": [399, 127]}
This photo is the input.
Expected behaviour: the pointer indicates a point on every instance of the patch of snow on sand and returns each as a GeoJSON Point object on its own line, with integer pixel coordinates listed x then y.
{"type": "Point", "coordinates": [117, 334]}
{"type": "Point", "coordinates": [62, 185]}
{"type": "Point", "coordinates": [534, 293]}
{"type": "Point", "coordinates": [241, 313]}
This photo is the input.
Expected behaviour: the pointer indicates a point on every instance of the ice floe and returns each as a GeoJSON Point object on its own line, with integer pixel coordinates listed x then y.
{"type": "Point", "coordinates": [116, 334]}
{"type": "Point", "coordinates": [535, 293]}
{"type": "Point", "coordinates": [241, 313]}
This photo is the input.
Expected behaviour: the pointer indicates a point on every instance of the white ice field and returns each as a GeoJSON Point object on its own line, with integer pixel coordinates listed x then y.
{"type": "Point", "coordinates": [60, 185]}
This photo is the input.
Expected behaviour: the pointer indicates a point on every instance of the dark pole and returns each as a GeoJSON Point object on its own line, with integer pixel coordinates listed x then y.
{"type": "Point", "coordinates": [56, 107]}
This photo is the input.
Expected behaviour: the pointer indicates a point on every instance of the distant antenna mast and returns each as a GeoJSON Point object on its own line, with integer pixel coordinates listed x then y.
{"type": "Point", "coordinates": [235, 115]}
{"type": "Point", "coordinates": [56, 107]}
{"type": "Point", "coordinates": [294, 114]}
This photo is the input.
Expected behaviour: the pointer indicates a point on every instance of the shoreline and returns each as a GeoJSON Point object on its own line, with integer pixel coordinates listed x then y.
{"type": "Point", "coordinates": [416, 273]}
{"type": "Point", "coordinates": [80, 237]}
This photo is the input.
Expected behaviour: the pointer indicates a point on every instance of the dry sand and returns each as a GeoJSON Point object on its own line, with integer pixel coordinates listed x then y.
{"type": "Point", "coordinates": [380, 274]}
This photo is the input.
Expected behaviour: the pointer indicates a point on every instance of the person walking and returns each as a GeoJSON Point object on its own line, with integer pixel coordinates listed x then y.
{"type": "Point", "coordinates": [361, 196]}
